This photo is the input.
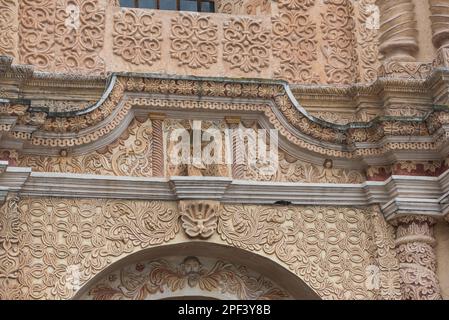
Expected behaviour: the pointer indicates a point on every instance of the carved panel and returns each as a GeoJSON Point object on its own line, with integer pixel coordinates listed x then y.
{"type": "Point", "coordinates": [79, 32]}
{"type": "Point", "coordinates": [294, 44]}
{"type": "Point", "coordinates": [367, 33]}
{"type": "Point", "coordinates": [128, 156]}
{"type": "Point", "coordinates": [59, 236]}
{"type": "Point", "coordinates": [194, 40]}
{"type": "Point", "coordinates": [338, 46]}
{"type": "Point", "coordinates": [246, 44]}
{"type": "Point", "coordinates": [36, 37]}
{"type": "Point", "coordinates": [137, 36]}
{"type": "Point", "coordinates": [329, 248]}
{"type": "Point", "coordinates": [152, 279]}
{"type": "Point", "coordinates": [8, 27]}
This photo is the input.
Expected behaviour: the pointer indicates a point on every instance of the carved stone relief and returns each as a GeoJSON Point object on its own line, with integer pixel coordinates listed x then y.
{"type": "Point", "coordinates": [158, 278]}
{"type": "Point", "coordinates": [194, 40]}
{"type": "Point", "coordinates": [130, 155]}
{"type": "Point", "coordinates": [8, 27]}
{"type": "Point", "coordinates": [137, 36]}
{"type": "Point", "coordinates": [414, 245]}
{"type": "Point", "coordinates": [246, 44]}
{"type": "Point", "coordinates": [330, 248]}
{"type": "Point", "coordinates": [199, 218]}
{"type": "Point", "coordinates": [339, 41]}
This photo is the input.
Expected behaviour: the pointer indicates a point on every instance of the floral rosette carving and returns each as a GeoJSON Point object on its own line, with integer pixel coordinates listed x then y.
{"type": "Point", "coordinates": [137, 37]}
{"type": "Point", "coordinates": [246, 44]}
{"type": "Point", "coordinates": [194, 40]}
{"type": "Point", "coordinates": [79, 32]}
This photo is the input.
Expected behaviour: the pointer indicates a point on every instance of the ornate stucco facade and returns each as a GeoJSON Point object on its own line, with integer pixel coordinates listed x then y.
{"type": "Point", "coordinates": [356, 206]}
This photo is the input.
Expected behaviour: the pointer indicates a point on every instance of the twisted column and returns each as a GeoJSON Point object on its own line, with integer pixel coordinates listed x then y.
{"type": "Point", "coordinates": [157, 150]}
{"type": "Point", "coordinates": [417, 260]}
{"type": "Point", "coordinates": [398, 30]}
{"type": "Point", "coordinates": [439, 17]}
{"type": "Point", "coordinates": [238, 166]}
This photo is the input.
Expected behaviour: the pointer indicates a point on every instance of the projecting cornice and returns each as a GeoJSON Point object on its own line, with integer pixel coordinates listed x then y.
{"type": "Point", "coordinates": [398, 196]}
{"type": "Point", "coordinates": [128, 95]}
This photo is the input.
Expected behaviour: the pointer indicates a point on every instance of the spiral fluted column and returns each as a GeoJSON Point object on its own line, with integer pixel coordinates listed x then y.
{"type": "Point", "coordinates": [439, 17]}
{"type": "Point", "coordinates": [157, 151]}
{"type": "Point", "coordinates": [417, 260]}
{"type": "Point", "coordinates": [398, 30]}
{"type": "Point", "coordinates": [238, 167]}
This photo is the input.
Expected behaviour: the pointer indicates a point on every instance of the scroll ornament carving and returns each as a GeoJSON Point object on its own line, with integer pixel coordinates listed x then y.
{"type": "Point", "coordinates": [10, 268]}
{"type": "Point", "coordinates": [79, 32]}
{"type": "Point", "coordinates": [406, 70]}
{"type": "Point", "coordinates": [293, 170]}
{"type": "Point", "coordinates": [327, 247]}
{"type": "Point", "coordinates": [194, 40]}
{"type": "Point", "coordinates": [294, 43]}
{"type": "Point", "coordinates": [137, 37]}
{"type": "Point", "coordinates": [257, 7]}
{"type": "Point", "coordinates": [367, 41]}
{"type": "Point", "coordinates": [60, 234]}
{"type": "Point", "coordinates": [246, 44]}
{"type": "Point", "coordinates": [386, 278]}
{"type": "Point", "coordinates": [143, 280]}
{"type": "Point", "coordinates": [199, 218]}
{"type": "Point", "coordinates": [339, 41]}
{"type": "Point", "coordinates": [130, 155]}
{"type": "Point", "coordinates": [8, 27]}
{"type": "Point", "coordinates": [36, 44]}
{"type": "Point", "coordinates": [441, 58]}
{"type": "Point", "coordinates": [414, 245]}
{"type": "Point", "coordinates": [295, 4]}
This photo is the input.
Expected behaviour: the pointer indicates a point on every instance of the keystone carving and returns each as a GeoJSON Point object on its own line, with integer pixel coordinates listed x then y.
{"type": "Point", "coordinates": [199, 218]}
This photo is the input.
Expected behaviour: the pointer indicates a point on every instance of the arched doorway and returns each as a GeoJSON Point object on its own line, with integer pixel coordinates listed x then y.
{"type": "Point", "coordinates": [195, 270]}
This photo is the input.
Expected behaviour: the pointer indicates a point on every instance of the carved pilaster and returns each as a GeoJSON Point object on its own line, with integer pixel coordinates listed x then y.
{"type": "Point", "coordinates": [417, 261]}
{"type": "Point", "coordinates": [157, 152]}
{"type": "Point", "coordinates": [238, 166]}
{"type": "Point", "coordinates": [9, 250]}
{"type": "Point", "coordinates": [398, 30]}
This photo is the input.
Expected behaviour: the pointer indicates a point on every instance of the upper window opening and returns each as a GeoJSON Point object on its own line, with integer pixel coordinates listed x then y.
{"type": "Point", "coordinates": [180, 5]}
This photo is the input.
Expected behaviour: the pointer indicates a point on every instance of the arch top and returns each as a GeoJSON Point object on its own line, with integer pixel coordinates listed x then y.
{"type": "Point", "coordinates": [195, 269]}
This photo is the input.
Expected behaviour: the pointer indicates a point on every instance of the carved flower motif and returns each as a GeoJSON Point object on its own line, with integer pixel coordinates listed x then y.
{"type": "Point", "coordinates": [137, 37]}
{"type": "Point", "coordinates": [194, 40]}
{"type": "Point", "coordinates": [246, 44]}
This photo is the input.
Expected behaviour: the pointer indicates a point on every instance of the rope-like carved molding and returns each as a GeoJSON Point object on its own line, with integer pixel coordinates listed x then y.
{"type": "Point", "coordinates": [150, 279]}
{"type": "Point", "coordinates": [59, 131]}
{"type": "Point", "coordinates": [57, 241]}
